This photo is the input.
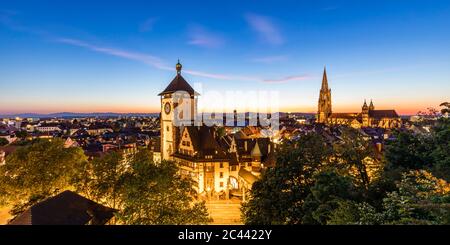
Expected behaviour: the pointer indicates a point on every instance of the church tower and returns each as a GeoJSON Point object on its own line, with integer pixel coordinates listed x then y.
{"type": "Point", "coordinates": [365, 114]}
{"type": "Point", "coordinates": [371, 106]}
{"type": "Point", "coordinates": [177, 96]}
{"type": "Point", "coordinates": [324, 108]}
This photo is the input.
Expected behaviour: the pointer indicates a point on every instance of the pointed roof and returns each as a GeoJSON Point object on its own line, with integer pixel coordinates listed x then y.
{"type": "Point", "coordinates": [324, 79]}
{"type": "Point", "coordinates": [371, 106]}
{"type": "Point", "coordinates": [256, 152]}
{"type": "Point", "coordinates": [178, 83]}
{"type": "Point", "coordinates": [365, 104]}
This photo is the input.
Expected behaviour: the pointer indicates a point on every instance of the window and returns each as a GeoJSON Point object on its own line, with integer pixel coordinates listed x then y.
{"type": "Point", "coordinates": [221, 184]}
{"type": "Point", "coordinates": [233, 168]}
{"type": "Point", "coordinates": [188, 143]}
{"type": "Point", "coordinates": [221, 175]}
{"type": "Point", "coordinates": [221, 165]}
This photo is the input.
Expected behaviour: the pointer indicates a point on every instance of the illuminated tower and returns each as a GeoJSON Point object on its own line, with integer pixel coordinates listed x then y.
{"type": "Point", "coordinates": [365, 115]}
{"type": "Point", "coordinates": [324, 108]}
{"type": "Point", "coordinates": [169, 102]}
{"type": "Point", "coordinates": [371, 106]}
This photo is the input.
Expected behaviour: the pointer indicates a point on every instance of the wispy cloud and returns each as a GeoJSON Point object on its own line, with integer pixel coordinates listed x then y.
{"type": "Point", "coordinates": [147, 59]}
{"type": "Point", "coordinates": [265, 27]}
{"type": "Point", "coordinates": [158, 63]}
{"type": "Point", "coordinates": [270, 59]}
{"type": "Point", "coordinates": [199, 36]}
{"type": "Point", "coordinates": [148, 24]}
{"type": "Point", "coordinates": [144, 58]}
{"type": "Point", "coordinates": [288, 79]}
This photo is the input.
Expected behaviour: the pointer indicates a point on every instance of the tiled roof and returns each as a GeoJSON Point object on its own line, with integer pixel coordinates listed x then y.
{"type": "Point", "coordinates": [344, 115]}
{"type": "Point", "coordinates": [178, 84]}
{"type": "Point", "coordinates": [383, 114]}
{"type": "Point", "coordinates": [66, 208]}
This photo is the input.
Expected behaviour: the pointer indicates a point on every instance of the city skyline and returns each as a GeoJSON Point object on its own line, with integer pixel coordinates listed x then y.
{"type": "Point", "coordinates": [89, 60]}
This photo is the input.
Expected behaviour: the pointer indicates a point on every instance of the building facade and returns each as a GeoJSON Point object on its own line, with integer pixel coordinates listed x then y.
{"type": "Point", "coordinates": [368, 117]}
{"type": "Point", "coordinates": [220, 166]}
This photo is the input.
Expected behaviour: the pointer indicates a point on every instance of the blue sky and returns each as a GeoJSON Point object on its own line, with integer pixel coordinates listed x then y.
{"type": "Point", "coordinates": [90, 57]}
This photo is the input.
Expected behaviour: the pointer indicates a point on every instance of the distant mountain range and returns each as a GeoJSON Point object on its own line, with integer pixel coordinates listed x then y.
{"type": "Point", "coordinates": [76, 115]}
{"type": "Point", "coordinates": [114, 114]}
{"type": "Point", "coordinates": [109, 114]}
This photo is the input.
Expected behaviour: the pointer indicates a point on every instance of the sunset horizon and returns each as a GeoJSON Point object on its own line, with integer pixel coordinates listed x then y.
{"type": "Point", "coordinates": [212, 121]}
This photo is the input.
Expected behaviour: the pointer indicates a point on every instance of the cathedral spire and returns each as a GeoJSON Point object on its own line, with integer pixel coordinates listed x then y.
{"type": "Point", "coordinates": [365, 107]}
{"type": "Point", "coordinates": [324, 110]}
{"type": "Point", "coordinates": [371, 106]}
{"type": "Point", "coordinates": [324, 80]}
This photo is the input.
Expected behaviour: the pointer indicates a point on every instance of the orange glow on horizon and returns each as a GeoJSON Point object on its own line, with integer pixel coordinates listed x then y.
{"type": "Point", "coordinates": [401, 110]}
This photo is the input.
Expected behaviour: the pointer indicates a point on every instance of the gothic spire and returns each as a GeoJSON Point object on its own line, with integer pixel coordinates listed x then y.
{"type": "Point", "coordinates": [371, 106]}
{"type": "Point", "coordinates": [324, 80]}
{"type": "Point", "coordinates": [365, 107]}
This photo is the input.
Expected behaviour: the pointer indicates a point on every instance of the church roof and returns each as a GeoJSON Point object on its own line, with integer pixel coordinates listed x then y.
{"type": "Point", "coordinates": [178, 84]}
{"type": "Point", "coordinates": [344, 115]}
{"type": "Point", "coordinates": [383, 114]}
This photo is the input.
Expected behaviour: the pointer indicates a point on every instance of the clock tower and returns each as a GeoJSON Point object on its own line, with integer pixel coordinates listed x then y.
{"type": "Point", "coordinates": [178, 109]}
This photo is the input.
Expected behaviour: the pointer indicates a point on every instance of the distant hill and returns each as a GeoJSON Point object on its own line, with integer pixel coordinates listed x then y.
{"type": "Point", "coordinates": [76, 115]}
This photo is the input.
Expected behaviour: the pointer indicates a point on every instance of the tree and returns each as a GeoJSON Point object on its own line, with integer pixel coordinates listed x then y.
{"type": "Point", "coordinates": [3, 142]}
{"type": "Point", "coordinates": [326, 194]}
{"type": "Point", "coordinates": [22, 134]}
{"type": "Point", "coordinates": [420, 198]}
{"type": "Point", "coordinates": [446, 108]}
{"type": "Point", "coordinates": [278, 197]}
{"type": "Point", "coordinates": [440, 153]}
{"type": "Point", "coordinates": [157, 194]}
{"type": "Point", "coordinates": [351, 155]}
{"type": "Point", "coordinates": [407, 151]}
{"type": "Point", "coordinates": [413, 152]}
{"type": "Point", "coordinates": [101, 179]}
{"type": "Point", "coordinates": [37, 171]}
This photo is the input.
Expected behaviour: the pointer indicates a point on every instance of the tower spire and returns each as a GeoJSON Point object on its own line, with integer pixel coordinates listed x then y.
{"type": "Point", "coordinates": [365, 107]}
{"type": "Point", "coordinates": [371, 106]}
{"type": "Point", "coordinates": [325, 79]}
{"type": "Point", "coordinates": [324, 110]}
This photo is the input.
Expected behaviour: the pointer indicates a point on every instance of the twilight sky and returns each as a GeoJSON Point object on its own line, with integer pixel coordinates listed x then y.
{"type": "Point", "coordinates": [80, 56]}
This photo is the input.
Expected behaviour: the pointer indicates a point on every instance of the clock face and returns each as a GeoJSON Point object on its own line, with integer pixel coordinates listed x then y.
{"type": "Point", "coordinates": [167, 108]}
